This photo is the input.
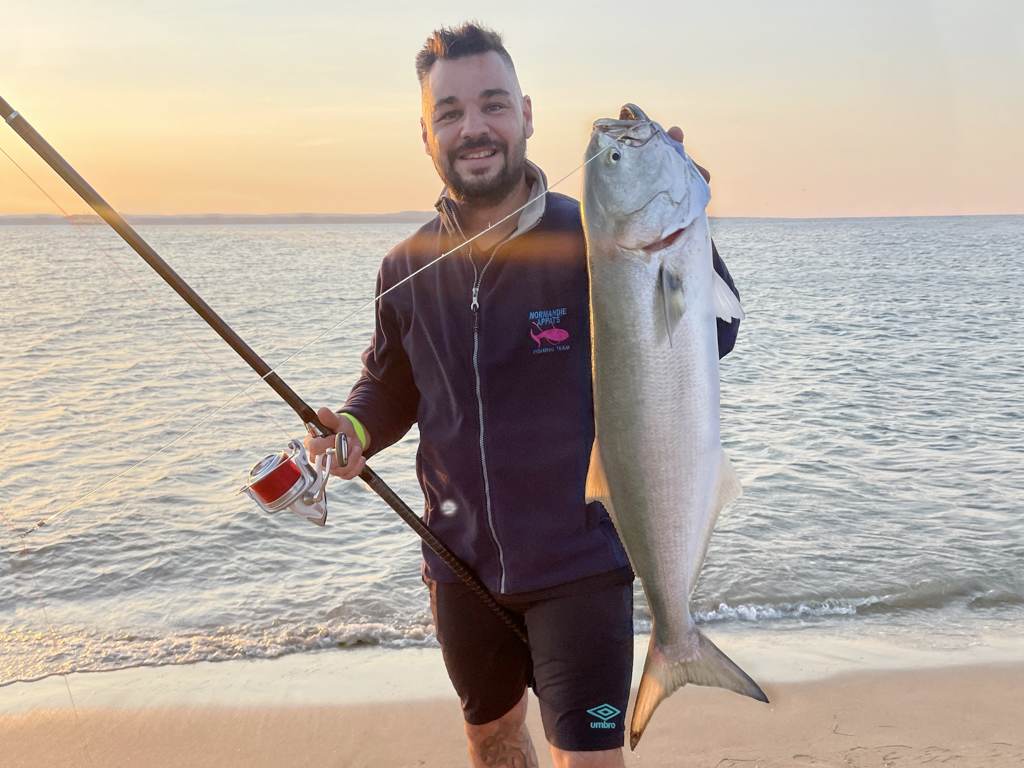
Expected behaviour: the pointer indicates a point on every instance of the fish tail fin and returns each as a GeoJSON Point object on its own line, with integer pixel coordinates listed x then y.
{"type": "Point", "coordinates": [662, 677]}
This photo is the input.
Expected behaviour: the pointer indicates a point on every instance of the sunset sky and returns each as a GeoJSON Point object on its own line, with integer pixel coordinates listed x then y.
{"type": "Point", "coordinates": [799, 109]}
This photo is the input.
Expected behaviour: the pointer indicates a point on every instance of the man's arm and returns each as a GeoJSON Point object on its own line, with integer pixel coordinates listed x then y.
{"type": "Point", "coordinates": [384, 400]}
{"type": "Point", "coordinates": [727, 331]}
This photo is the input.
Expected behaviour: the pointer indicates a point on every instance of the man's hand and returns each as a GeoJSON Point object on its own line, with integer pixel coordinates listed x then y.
{"type": "Point", "coordinates": [675, 132]}
{"type": "Point", "coordinates": [318, 445]}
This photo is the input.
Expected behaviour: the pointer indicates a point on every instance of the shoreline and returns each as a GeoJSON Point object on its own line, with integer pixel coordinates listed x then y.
{"type": "Point", "coordinates": [965, 715]}
{"type": "Point", "coordinates": [373, 674]}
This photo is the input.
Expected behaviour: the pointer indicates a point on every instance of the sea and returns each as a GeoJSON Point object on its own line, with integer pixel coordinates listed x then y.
{"type": "Point", "coordinates": [873, 408]}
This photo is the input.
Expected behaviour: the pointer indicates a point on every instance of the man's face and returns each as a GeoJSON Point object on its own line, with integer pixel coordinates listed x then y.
{"type": "Point", "coordinates": [475, 125]}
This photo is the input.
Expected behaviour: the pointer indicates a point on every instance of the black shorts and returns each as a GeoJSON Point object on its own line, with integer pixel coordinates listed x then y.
{"type": "Point", "coordinates": [579, 662]}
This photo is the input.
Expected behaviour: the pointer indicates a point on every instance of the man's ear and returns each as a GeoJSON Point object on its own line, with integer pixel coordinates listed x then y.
{"type": "Point", "coordinates": [527, 117]}
{"type": "Point", "coordinates": [423, 133]}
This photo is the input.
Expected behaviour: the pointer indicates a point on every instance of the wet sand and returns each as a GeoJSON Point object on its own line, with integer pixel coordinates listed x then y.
{"type": "Point", "coordinates": [963, 716]}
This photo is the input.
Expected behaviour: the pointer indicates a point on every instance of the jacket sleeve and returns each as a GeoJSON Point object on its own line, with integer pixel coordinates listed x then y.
{"type": "Point", "coordinates": [385, 398]}
{"type": "Point", "coordinates": [727, 332]}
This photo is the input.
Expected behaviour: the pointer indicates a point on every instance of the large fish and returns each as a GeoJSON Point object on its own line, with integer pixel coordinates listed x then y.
{"type": "Point", "coordinates": [658, 464]}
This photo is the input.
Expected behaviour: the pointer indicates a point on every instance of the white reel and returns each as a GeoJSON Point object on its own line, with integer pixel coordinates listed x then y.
{"type": "Point", "coordinates": [288, 480]}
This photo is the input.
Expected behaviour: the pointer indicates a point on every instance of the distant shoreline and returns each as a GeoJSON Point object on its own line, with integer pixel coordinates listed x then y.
{"type": "Point", "coordinates": [220, 219]}
{"type": "Point", "coordinates": [401, 217]}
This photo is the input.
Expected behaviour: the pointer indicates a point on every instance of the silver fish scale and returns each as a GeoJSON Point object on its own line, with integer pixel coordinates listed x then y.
{"type": "Point", "coordinates": [656, 410]}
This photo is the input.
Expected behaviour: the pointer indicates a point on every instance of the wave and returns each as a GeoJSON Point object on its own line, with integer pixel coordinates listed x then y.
{"type": "Point", "coordinates": [84, 651]}
{"type": "Point", "coordinates": [922, 597]}
{"type": "Point", "coordinates": [81, 650]}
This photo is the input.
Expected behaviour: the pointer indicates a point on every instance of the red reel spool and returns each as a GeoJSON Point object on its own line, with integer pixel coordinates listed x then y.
{"type": "Point", "coordinates": [270, 484]}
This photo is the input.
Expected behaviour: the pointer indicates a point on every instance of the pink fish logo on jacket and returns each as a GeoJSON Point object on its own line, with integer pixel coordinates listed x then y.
{"type": "Point", "coordinates": [551, 335]}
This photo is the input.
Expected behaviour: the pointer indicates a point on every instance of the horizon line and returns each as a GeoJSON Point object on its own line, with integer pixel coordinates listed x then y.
{"type": "Point", "coordinates": [397, 217]}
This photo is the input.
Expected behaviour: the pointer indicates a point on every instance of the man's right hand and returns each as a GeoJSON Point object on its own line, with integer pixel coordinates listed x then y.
{"type": "Point", "coordinates": [318, 445]}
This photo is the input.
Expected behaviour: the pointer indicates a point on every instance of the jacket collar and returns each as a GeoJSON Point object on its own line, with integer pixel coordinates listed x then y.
{"type": "Point", "coordinates": [528, 217]}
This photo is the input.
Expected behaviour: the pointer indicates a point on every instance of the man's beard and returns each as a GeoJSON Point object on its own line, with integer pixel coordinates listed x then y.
{"type": "Point", "coordinates": [484, 192]}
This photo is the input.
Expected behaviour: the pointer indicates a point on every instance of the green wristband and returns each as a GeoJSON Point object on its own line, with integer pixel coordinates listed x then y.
{"type": "Point", "coordinates": [359, 428]}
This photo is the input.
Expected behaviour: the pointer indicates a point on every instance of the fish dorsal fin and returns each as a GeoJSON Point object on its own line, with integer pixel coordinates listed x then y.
{"type": "Point", "coordinates": [727, 306]}
{"type": "Point", "coordinates": [597, 483]}
{"type": "Point", "coordinates": [672, 299]}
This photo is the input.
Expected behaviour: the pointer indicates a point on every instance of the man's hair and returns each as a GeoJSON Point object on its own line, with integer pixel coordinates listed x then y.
{"type": "Point", "coordinates": [471, 39]}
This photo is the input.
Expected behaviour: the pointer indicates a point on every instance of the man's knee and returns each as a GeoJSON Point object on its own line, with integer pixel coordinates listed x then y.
{"type": "Point", "coordinates": [514, 718]}
{"type": "Point", "coordinates": [606, 758]}
{"type": "Point", "coordinates": [504, 741]}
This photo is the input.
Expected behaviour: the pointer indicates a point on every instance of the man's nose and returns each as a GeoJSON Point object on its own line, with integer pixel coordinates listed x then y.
{"type": "Point", "coordinates": [474, 124]}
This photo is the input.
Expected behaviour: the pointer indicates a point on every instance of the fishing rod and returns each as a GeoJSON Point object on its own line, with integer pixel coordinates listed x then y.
{"type": "Point", "coordinates": [278, 481]}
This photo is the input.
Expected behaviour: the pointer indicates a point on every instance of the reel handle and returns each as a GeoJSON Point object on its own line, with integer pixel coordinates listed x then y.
{"type": "Point", "coordinates": [323, 470]}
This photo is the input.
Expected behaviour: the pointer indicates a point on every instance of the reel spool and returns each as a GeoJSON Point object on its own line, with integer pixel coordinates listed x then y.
{"type": "Point", "coordinates": [287, 479]}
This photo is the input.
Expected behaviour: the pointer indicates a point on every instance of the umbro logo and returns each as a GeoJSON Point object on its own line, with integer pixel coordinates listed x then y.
{"type": "Point", "coordinates": [603, 713]}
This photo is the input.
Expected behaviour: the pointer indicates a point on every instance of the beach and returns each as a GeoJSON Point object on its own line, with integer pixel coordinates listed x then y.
{"type": "Point", "coordinates": [963, 716]}
{"type": "Point", "coordinates": [834, 702]}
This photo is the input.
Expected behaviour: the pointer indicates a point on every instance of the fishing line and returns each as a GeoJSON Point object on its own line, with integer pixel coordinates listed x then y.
{"type": "Point", "coordinates": [41, 523]}
{"type": "Point", "coordinates": [53, 634]}
{"type": "Point", "coordinates": [410, 276]}
{"type": "Point", "coordinates": [144, 291]}
{"type": "Point", "coordinates": [360, 308]}
{"type": "Point", "coordinates": [134, 466]}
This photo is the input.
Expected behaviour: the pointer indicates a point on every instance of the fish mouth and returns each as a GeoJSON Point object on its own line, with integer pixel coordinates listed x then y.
{"type": "Point", "coordinates": [633, 128]}
{"type": "Point", "coordinates": [631, 133]}
{"type": "Point", "coordinates": [633, 112]}
{"type": "Point", "coordinates": [664, 243]}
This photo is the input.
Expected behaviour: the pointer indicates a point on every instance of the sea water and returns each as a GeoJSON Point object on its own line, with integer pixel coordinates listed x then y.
{"type": "Point", "coordinates": [873, 408]}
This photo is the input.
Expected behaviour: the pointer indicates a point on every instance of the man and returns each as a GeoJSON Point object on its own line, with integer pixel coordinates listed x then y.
{"type": "Point", "coordinates": [488, 351]}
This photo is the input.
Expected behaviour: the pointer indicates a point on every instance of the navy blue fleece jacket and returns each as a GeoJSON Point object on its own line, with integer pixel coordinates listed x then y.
{"type": "Point", "coordinates": [501, 389]}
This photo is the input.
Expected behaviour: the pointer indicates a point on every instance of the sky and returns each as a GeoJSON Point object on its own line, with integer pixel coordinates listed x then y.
{"type": "Point", "coordinates": [798, 109]}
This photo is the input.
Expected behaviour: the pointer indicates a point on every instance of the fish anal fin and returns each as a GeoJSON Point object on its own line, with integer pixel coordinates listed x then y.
{"type": "Point", "coordinates": [672, 299]}
{"type": "Point", "coordinates": [727, 306]}
{"type": "Point", "coordinates": [597, 483]}
{"type": "Point", "coordinates": [662, 677]}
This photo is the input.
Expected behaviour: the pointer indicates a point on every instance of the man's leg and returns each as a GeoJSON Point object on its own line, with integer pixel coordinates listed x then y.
{"type": "Point", "coordinates": [490, 669]}
{"type": "Point", "coordinates": [503, 742]}
{"type": "Point", "coordinates": [605, 758]}
{"type": "Point", "coordinates": [608, 758]}
{"type": "Point", "coordinates": [583, 657]}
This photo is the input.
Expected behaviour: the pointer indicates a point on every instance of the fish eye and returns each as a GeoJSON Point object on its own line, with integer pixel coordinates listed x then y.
{"type": "Point", "coordinates": [613, 156]}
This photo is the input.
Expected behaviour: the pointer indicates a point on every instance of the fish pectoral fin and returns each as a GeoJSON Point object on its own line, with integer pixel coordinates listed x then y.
{"type": "Point", "coordinates": [727, 306]}
{"type": "Point", "coordinates": [662, 677]}
{"type": "Point", "coordinates": [672, 299]}
{"type": "Point", "coordinates": [597, 483]}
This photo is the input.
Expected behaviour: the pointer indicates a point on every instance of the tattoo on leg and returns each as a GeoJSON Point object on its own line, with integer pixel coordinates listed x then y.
{"type": "Point", "coordinates": [509, 750]}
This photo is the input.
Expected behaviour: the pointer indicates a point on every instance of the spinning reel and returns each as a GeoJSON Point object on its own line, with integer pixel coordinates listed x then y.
{"type": "Point", "coordinates": [289, 480]}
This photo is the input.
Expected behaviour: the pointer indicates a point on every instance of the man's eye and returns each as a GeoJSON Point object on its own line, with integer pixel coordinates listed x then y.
{"type": "Point", "coordinates": [494, 107]}
{"type": "Point", "coordinates": [449, 115]}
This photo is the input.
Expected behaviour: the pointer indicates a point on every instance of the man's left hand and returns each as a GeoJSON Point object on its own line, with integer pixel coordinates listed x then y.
{"type": "Point", "coordinates": [675, 132]}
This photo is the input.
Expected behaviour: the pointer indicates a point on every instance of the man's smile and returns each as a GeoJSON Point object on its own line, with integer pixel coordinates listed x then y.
{"type": "Point", "coordinates": [479, 157]}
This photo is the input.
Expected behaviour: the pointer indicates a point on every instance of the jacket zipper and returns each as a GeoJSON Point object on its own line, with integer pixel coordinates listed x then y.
{"type": "Point", "coordinates": [474, 306]}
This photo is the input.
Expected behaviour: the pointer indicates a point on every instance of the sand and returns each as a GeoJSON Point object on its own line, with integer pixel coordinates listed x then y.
{"type": "Point", "coordinates": [965, 716]}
